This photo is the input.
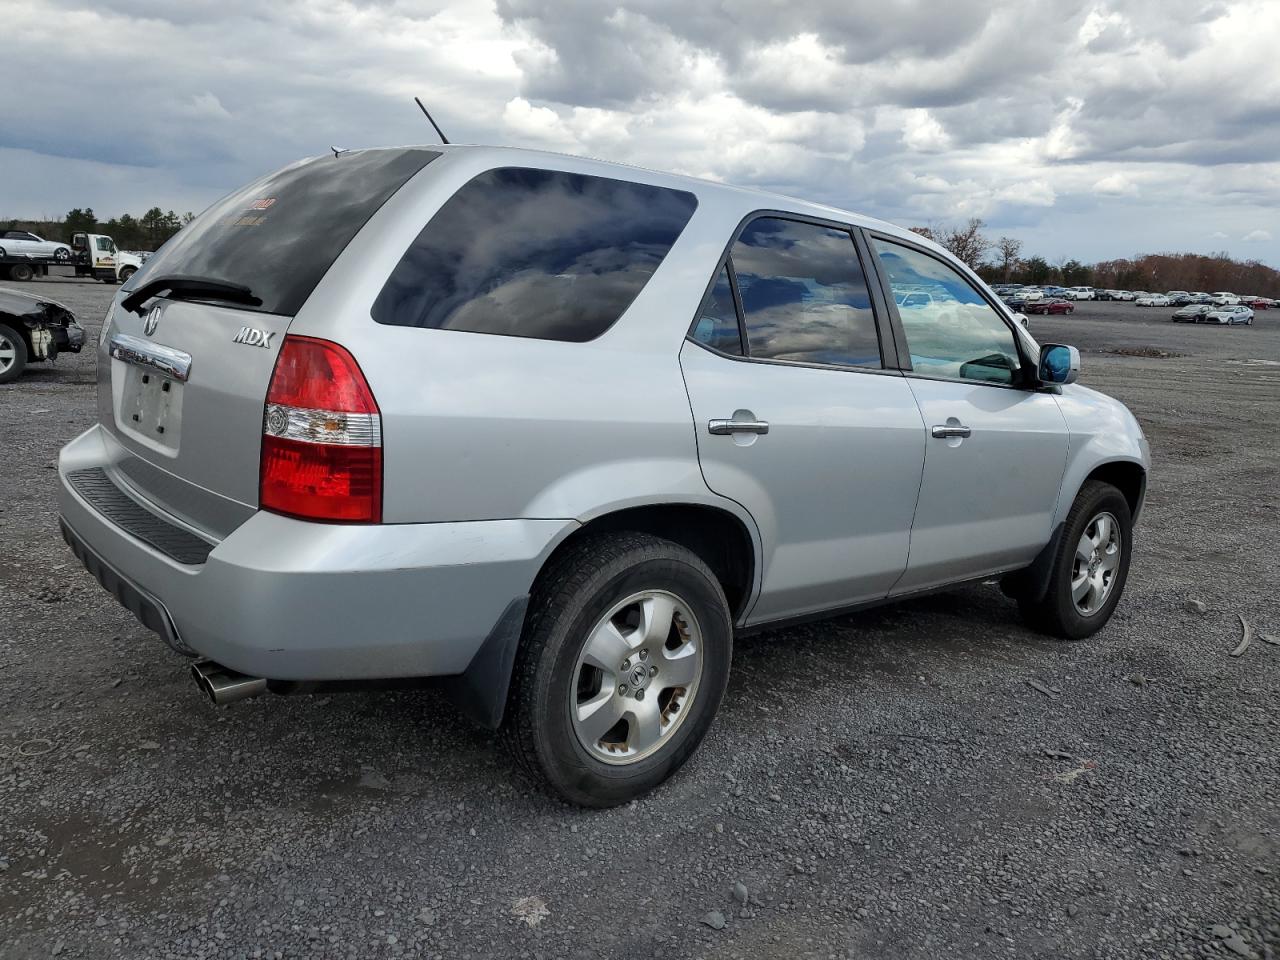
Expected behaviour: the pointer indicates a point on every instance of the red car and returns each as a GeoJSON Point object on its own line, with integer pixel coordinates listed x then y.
{"type": "Point", "coordinates": [1050, 306]}
{"type": "Point", "coordinates": [1258, 303]}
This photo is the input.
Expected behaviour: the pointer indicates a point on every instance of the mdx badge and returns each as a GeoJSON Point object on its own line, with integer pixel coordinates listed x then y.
{"type": "Point", "coordinates": [254, 337]}
{"type": "Point", "coordinates": [153, 320]}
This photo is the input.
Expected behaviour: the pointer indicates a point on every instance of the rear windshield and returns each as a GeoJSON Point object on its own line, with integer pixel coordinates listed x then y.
{"type": "Point", "coordinates": [534, 253]}
{"type": "Point", "coordinates": [280, 234]}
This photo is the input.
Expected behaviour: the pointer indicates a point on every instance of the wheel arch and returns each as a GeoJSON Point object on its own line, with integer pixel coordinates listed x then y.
{"type": "Point", "coordinates": [726, 542]}
{"type": "Point", "coordinates": [1127, 476]}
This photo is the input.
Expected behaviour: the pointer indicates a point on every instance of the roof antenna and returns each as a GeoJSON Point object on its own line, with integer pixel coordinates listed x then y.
{"type": "Point", "coordinates": [338, 151]}
{"type": "Point", "coordinates": [439, 132]}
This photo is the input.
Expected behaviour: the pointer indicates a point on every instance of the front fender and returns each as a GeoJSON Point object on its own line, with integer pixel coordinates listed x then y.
{"type": "Point", "coordinates": [1103, 432]}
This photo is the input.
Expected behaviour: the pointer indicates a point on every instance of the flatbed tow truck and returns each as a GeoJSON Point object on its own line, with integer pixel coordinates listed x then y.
{"type": "Point", "coordinates": [92, 255]}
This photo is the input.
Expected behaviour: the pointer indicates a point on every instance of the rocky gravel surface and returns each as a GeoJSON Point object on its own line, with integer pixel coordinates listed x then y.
{"type": "Point", "coordinates": [928, 779]}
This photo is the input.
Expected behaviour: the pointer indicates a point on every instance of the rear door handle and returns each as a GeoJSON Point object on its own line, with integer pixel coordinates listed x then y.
{"type": "Point", "coordinates": [723, 428]}
{"type": "Point", "coordinates": [942, 432]}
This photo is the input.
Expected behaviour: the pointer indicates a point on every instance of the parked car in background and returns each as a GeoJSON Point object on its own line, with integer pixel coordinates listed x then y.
{"type": "Point", "coordinates": [1230, 314]}
{"type": "Point", "coordinates": [1257, 303]}
{"type": "Point", "coordinates": [1078, 293]}
{"type": "Point", "coordinates": [1122, 295]}
{"type": "Point", "coordinates": [1054, 291]}
{"type": "Point", "coordinates": [1030, 294]}
{"type": "Point", "coordinates": [1225, 299]}
{"type": "Point", "coordinates": [33, 329]}
{"type": "Point", "coordinates": [1152, 300]}
{"type": "Point", "coordinates": [1201, 298]}
{"type": "Point", "coordinates": [1055, 305]}
{"type": "Point", "coordinates": [270, 486]}
{"type": "Point", "coordinates": [21, 243]}
{"type": "Point", "coordinates": [1179, 298]}
{"type": "Point", "coordinates": [1104, 294]}
{"type": "Point", "coordinates": [1191, 313]}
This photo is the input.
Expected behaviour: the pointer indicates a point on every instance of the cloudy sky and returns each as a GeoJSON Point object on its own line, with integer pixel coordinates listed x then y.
{"type": "Point", "coordinates": [1086, 128]}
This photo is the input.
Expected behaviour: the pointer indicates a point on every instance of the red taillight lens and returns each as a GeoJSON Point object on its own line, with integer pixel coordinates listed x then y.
{"type": "Point", "coordinates": [321, 436]}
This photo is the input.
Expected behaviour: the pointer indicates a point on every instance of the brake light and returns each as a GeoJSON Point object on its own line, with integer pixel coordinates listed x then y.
{"type": "Point", "coordinates": [321, 437]}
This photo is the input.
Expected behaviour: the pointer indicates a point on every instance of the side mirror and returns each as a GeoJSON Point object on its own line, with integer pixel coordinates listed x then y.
{"type": "Point", "coordinates": [1058, 364]}
{"type": "Point", "coordinates": [1021, 318]}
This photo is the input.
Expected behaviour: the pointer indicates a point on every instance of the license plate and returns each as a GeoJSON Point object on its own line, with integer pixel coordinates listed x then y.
{"type": "Point", "coordinates": [151, 406]}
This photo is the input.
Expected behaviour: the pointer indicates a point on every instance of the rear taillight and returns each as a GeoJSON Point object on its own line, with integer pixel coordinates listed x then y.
{"type": "Point", "coordinates": [321, 437]}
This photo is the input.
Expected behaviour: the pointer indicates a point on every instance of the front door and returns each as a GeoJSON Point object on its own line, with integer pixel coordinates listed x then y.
{"type": "Point", "coordinates": [798, 420]}
{"type": "Point", "coordinates": [996, 449]}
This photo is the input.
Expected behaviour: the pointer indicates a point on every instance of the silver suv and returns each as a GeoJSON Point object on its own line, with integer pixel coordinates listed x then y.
{"type": "Point", "coordinates": [555, 429]}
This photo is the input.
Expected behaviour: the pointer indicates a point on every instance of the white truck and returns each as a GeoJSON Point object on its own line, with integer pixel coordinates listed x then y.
{"type": "Point", "coordinates": [91, 254]}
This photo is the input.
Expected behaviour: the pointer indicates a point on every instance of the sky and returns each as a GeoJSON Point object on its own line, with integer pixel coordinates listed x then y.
{"type": "Point", "coordinates": [1085, 129]}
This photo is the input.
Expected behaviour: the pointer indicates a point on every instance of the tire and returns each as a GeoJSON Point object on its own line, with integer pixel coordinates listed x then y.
{"type": "Point", "coordinates": [13, 354]}
{"type": "Point", "coordinates": [553, 681]}
{"type": "Point", "coordinates": [2, 252]}
{"type": "Point", "coordinates": [62, 255]}
{"type": "Point", "coordinates": [1057, 613]}
{"type": "Point", "coordinates": [126, 273]}
{"type": "Point", "coordinates": [22, 272]}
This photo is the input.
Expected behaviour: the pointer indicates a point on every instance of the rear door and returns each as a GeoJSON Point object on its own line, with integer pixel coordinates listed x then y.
{"type": "Point", "coordinates": [996, 450]}
{"type": "Point", "coordinates": [183, 378]}
{"type": "Point", "coordinates": [798, 419]}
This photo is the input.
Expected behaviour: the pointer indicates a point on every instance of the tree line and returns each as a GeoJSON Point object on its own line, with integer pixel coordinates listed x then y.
{"type": "Point", "coordinates": [146, 232]}
{"type": "Point", "coordinates": [1000, 260]}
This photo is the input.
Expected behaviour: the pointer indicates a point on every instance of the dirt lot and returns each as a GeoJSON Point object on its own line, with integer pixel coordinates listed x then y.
{"type": "Point", "coordinates": [886, 785]}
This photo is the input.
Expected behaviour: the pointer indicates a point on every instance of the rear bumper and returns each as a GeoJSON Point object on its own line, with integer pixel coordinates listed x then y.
{"type": "Point", "coordinates": [291, 600]}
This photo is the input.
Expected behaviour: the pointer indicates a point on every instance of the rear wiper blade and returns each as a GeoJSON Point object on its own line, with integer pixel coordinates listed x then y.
{"type": "Point", "coordinates": [189, 288]}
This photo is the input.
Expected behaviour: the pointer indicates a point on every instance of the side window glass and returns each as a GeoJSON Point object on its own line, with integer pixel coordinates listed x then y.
{"type": "Point", "coordinates": [951, 331]}
{"type": "Point", "coordinates": [537, 253]}
{"type": "Point", "coordinates": [804, 296]}
{"type": "Point", "coordinates": [717, 323]}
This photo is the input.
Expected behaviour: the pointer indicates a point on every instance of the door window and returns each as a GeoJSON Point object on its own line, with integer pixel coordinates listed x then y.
{"type": "Point", "coordinates": [951, 330]}
{"type": "Point", "coordinates": [804, 296]}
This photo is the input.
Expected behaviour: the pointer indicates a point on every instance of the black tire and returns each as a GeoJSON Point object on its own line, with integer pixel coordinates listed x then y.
{"type": "Point", "coordinates": [2, 252]}
{"type": "Point", "coordinates": [126, 273]}
{"type": "Point", "coordinates": [1055, 613]}
{"type": "Point", "coordinates": [570, 598]}
{"type": "Point", "coordinates": [11, 338]}
{"type": "Point", "coordinates": [62, 255]}
{"type": "Point", "coordinates": [21, 272]}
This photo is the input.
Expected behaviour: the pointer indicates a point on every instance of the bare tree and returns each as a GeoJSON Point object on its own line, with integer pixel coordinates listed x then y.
{"type": "Point", "coordinates": [966, 242]}
{"type": "Point", "coordinates": [1008, 248]}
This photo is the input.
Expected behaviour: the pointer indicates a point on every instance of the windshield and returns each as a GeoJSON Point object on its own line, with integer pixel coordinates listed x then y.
{"type": "Point", "coordinates": [279, 235]}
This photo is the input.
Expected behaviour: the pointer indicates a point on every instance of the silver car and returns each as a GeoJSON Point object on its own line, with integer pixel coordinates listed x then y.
{"type": "Point", "coordinates": [556, 429]}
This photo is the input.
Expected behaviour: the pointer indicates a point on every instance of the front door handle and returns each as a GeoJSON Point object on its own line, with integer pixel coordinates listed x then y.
{"type": "Point", "coordinates": [722, 428]}
{"type": "Point", "coordinates": [944, 431]}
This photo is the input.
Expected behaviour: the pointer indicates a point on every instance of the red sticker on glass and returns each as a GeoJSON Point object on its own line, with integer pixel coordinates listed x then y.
{"type": "Point", "coordinates": [261, 204]}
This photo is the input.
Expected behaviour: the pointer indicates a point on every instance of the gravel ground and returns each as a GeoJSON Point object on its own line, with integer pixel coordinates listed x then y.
{"type": "Point", "coordinates": [883, 785]}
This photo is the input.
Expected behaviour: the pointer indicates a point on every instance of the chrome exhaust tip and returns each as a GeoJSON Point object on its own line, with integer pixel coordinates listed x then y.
{"type": "Point", "coordinates": [223, 685]}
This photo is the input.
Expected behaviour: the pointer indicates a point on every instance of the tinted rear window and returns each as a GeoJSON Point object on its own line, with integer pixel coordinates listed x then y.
{"type": "Point", "coordinates": [534, 253]}
{"type": "Point", "coordinates": [280, 234]}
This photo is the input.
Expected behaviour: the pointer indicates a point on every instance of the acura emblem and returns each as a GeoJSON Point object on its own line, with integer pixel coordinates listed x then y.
{"type": "Point", "coordinates": [153, 320]}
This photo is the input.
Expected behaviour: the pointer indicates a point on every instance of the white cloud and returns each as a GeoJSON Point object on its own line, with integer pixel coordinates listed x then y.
{"type": "Point", "coordinates": [1115, 185]}
{"type": "Point", "coordinates": [921, 132]}
{"type": "Point", "coordinates": [1257, 236]}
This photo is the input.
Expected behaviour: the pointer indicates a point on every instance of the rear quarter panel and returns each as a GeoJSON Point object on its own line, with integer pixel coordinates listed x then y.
{"type": "Point", "coordinates": [480, 427]}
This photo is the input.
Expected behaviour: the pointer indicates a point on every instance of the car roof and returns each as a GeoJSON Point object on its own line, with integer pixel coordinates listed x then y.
{"type": "Point", "coordinates": [752, 197]}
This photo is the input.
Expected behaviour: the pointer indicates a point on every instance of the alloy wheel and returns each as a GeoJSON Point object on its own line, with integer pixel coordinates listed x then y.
{"type": "Point", "coordinates": [636, 677]}
{"type": "Point", "coordinates": [1097, 559]}
{"type": "Point", "coordinates": [8, 352]}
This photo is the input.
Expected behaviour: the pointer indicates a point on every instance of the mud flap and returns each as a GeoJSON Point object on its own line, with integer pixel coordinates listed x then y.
{"type": "Point", "coordinates": [480, 691]}
{"type": "Point", "coordinates": [1033, 582]}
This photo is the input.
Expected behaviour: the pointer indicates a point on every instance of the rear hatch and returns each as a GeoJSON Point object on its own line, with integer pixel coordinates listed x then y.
{"type": "Point", "coordinates": [192, 341]}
